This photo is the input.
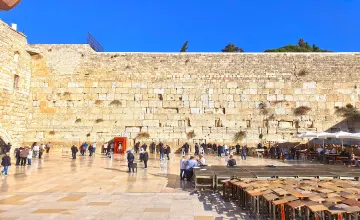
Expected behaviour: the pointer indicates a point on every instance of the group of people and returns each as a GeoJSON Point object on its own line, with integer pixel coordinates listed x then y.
{"type": "Point", "coordinates": [161, 148]}
{"type": "Point", "coordinates": [23, 155]}
{"type": "Point", "coordinates": [217, 149]}
{"type": "Point", "coordinates": [83, 148]}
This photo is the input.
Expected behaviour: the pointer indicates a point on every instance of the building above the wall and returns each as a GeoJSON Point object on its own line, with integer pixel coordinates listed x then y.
{"type": "Point", "coordinates": [7, 5]}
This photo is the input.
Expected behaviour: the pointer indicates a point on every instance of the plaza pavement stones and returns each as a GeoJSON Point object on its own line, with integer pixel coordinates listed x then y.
{"type": "Point", "coordinates": [57, 187]}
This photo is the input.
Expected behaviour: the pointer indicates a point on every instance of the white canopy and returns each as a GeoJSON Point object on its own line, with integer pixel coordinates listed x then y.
{"type": "Point", "coordinates": [279, 140]}
{"type": "Point", "coordinates": [343, 134]}
{"type": "Point", "coordinates": [355, 136]}
{"type": "Point", "coordinates": [324, 135]}
{"type": "Point", "coordinates": [309, 134]}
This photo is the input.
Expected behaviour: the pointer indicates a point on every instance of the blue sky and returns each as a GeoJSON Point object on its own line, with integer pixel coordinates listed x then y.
{"type": "Point", "coordinates": [208, 25]}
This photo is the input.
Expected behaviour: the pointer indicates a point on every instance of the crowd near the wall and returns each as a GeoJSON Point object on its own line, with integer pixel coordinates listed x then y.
{"type": "Point", "coordinates": [192, 156]}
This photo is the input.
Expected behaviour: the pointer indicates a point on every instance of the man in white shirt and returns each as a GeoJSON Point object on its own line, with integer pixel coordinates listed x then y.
{"type": "Point", "coordinates": [36, 150]}
{"type": "Point", "coordinates": [320, 149]}
{"type": "Point", "coordinates": [320, 155]}
{"type": "Point", "coordinates": [94, 147]}
{"type": "Point", "coordinates": [226, 149]}
{"type": "Point", "coordinates": [201, 161]}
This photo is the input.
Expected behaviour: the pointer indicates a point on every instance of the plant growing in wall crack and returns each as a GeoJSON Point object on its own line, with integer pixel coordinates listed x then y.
{"type": "Point", "coordinates": [99, 120]}
{"type": "Point", "coordinates": [349, 111]}
{"type": "Point", "coordinates": [302, 110]}
{"type": "Point", "coordinates": [142, 135]}
{"type": "Point", "coordinates": [78, 120]}
{"type": "Point", "coordinates": [190, 135]}
{"type": "Point", "coordinates": [239, 136]}
{"type": "Point", "coordinates": [52, 133]}
{"type": "Point", "coordinates": [88, 135]}
{"type": "Point", "coordinates": [115, 103]}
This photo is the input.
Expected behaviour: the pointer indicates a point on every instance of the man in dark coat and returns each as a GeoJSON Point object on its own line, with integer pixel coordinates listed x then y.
{"type": "Point", "coordinates": [74, 150]}
{"type": "Point", "coordinates": [238, 148]}
{"type": "Point", "coordinates": [91, 150]}
{"type": "Point", "coordinates": [6, 162]}
{"type": "Point", "coordinates": [145, 158]}
{"type": "Point", "coordinates": [278, 151]}
{"type": "Point", "coordinates": [219, 150]}
{"type": "Point", "coordinates": [137, 147]}
{"type": "Point", "coordinates": [130, 159]}
{"type": "Point", "coordinates": [186, 145]}
{"type": "Point", "coordinates": [152, 147]}
{"type": "Point", "coordinates": [17, 156]}
{"type": "Point", "coordinates": [196, 149]}
{"type": "Point", "coordinates": [168, 151]}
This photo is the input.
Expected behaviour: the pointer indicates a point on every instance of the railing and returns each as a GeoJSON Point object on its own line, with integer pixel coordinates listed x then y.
{"type": "Point", "coordinates": [94, 44]}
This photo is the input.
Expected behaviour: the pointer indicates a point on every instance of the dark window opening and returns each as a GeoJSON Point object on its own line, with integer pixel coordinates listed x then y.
{"type": "Point", "coordinates": [16, 81]}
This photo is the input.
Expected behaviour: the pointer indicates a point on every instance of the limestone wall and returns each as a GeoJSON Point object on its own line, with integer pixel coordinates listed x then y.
{"type": "Point", "coordinates": [167, 95]}
{"type": "Point", "coordinates": [14, 60]}
{"type": "Point", "coordinates": [69, 93]}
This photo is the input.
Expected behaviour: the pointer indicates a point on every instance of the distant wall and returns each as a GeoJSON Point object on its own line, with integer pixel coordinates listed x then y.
{"type": "Point", "coordinates": [14, 61]}
{"type": "Point", "coordinates": [167, 95]}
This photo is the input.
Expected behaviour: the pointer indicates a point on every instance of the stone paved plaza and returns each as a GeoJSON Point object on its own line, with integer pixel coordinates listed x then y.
{"type": "Point", "coordinates": [57, 187]}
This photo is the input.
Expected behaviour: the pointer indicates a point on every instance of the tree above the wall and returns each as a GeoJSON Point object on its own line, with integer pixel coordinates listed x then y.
{"type": "Point", "coordinates": [184, 47]}
{"type": "Point", "coordinates": [302, 46]}
{"type": "Point", "coordinates": [232, 48]}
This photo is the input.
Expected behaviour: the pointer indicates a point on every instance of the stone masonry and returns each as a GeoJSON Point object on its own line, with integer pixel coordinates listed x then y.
{"type": "Point", "coordinates": [77, 94]}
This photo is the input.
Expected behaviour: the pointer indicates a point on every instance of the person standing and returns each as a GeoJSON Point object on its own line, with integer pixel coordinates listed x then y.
{"type": "Point", "coordinates": [24, 154]}
{"type": "Point", "coordinates": [130, 158]}
{"type": "Point", "coordinates": [237, 149]}
{"type": "Point", "coordinates": [278, 152]}
{"type": "Point", "coordinates": [41, 151]}
{"type": "Point", "coordinates": [144, 146]}
{"type": "Point", "coordinates": [36, 150]}
{"type": "Point", "coordinates": [137, 147]}
{"type": "Point", "coordinates": [105, 149]}
{"type": "Point", "coordinates": [190, 164]}
{"type": "Point", "coordinates": [162, 151]}
{"type": "Point", "coordinates": [17, 156]}
{"type": "Point", "coordinates": [182, 167]}
{"type": "Point", "coordinates": [226, 149]}
{"type": "Point", "coordinates": [6, 162]}
{"type": "Point", "coordinates": [7, 148]}
{"type": "Point", "coordinates": [29, 157]}
{"type": "Point", "coordinates": [94, 147]}
{"type": "Point", "coordinates": [145, 158]}
{"type": "Point", "coordinates": [196, 149]}
{"type": "Point", "coordinates": [152, 147]}
{"type": "Point", "coordinates": [293, 152]}
{"type": "Point", "coordinates": [168, 151]}
{"type": "Point", "coordinates": [74, 150]}
{"type": "Point", "coordinates": [244, 152]}
{"type": "Point", "coordinates": [141, 154]}
{"type": "Point", "coordinates": [111, 147]}
{"type": "Point", "coordinates": [187, 147]}
{"type": "Point", "coordinates": [91, 150]}
{"type": "Point", "coordinates": [47, 147]}
{"type": "Point", "coordinates": [219, 150]}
